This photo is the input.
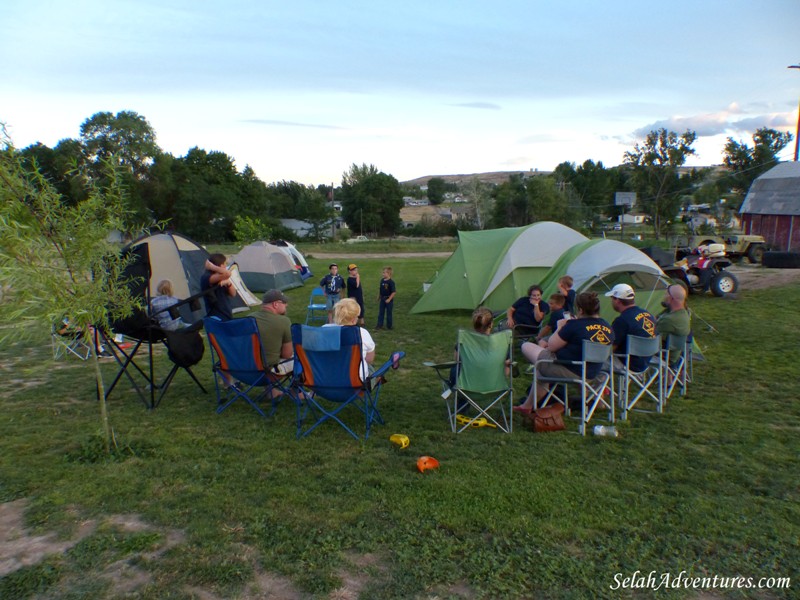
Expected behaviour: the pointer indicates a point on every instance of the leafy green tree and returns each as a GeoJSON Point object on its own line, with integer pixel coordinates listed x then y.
{"type": "Point", "coordinates": [511, 203]}
{"type": "Point", "coordinates": [126, 136]}
{"type": "Point", "coordinates": [745, 164]}
{"type": "Point", "coordinates": [55, 258]}
{"type": "Point", "coordinates": [371, 197]}
{"type": "Point", "coordinates": [247, 230]}
{"type": "Point", "coordinates": [436, 189]}
{"type": "Point", "coordinates": [654, 167]}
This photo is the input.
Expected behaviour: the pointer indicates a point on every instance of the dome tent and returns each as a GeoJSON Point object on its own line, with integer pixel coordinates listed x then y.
{"type": "Point", "coordinates": [495, 267]}
{"type": "Point", "coordinates": [265, 267]}
{"type": "Point", "coordinates": [297, 258]}
{"type": "Point", "coordinates": [175, 257]}
{"type": "Point", "coordinates": [598, 265]}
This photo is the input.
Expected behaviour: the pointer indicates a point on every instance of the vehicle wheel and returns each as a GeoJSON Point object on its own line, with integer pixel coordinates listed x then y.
{"type": "Point", "coordinates": [781, 260]}
{"type": "Point", "coordinates": [755, 253]}
{"type": "Point", "coordinates": [723, 283]}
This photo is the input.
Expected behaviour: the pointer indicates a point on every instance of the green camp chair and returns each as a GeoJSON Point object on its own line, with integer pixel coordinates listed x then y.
{"type": "Point", "coordinates": [483, 393]}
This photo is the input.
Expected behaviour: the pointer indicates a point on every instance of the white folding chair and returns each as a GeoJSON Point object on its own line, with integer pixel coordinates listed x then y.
{"type": "Point", "coordinates": [69, 342]}
{"type": "Point", "coordinates": [593, 391]}
{"type": "Point", "coordinates": [634, 386]}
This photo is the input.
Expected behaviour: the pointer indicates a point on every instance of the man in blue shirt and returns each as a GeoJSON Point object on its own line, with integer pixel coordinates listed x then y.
{"type": "Point", "coordinates": [632, 320]}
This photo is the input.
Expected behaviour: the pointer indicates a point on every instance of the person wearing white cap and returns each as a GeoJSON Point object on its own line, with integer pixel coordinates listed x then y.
{"type": "Point", "coordinates": [632, 320]}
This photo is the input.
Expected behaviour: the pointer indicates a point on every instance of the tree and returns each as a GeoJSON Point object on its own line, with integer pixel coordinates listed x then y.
{"type": "Point", "coordinates": [511, 203]}
{"type": "Point", "coordinates": [745, 164]}
{"type": "Point", "coordinates": [436, 187]}
{"type": "Point", "coordinates": [654, 164]}
{"type": "Point", "coordinates": [479, 195]}
{"type": "Point", "coordinates": [371, 197]}
{"type": "Point", "coordinates": [126, 136]}
{"type": "Point", "coordinates": [56, 260]}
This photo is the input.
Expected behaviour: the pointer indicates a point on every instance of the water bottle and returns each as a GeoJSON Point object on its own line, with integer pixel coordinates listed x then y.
{"type": "Point", "coordinates": [605, 430]}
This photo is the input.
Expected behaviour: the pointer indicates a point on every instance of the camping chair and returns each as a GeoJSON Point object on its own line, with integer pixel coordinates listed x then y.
{"type": "Point", "coordinates": [66, 340]}
{"type": "Point", "coordinates": [674, 357]}
{"type": "Point", "coordinates": [593, 391]}
{"type": "Point", "coordinates": [481, 382]}
{"type": "Point", "coordinates": [237, 362]}
{"type": "Point", "coordinates": [522, 333]}
{"type": "Point", "coordinates": [317, 309]}
{"type": "Point", "coordinates": [327, 377]}
{"type": "Point", "coordinates": [634, 386]}
{"type": "Point", "coordinates": [184, 348]}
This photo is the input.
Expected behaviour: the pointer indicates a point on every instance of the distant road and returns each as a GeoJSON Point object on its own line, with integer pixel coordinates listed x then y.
{"type": "Point", "coordinates": [384, 255]}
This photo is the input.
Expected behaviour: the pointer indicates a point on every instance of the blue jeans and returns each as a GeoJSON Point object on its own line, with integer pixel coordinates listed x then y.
{"type": "Point", "coordinates": [385, 308]}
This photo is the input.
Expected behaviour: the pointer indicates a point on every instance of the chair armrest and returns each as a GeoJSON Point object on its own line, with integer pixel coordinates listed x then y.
{"type": "Point", "coordinates": [395, 359]}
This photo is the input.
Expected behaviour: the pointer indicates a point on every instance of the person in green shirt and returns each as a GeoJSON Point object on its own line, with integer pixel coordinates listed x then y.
{"type": "Point", "coordinates": [274, 328]}
{"type": "Point", "coordinates": [675, 318]}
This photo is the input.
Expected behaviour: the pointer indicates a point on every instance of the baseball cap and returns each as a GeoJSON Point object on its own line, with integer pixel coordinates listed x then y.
{"type": "Point", "coordinates": [622, 291]}
{"type": "Point", "coordinates": [274, 296]}
{"type": "Point", "coordinates": [352, 266]}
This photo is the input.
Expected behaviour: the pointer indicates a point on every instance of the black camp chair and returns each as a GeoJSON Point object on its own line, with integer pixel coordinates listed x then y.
{"type": "Point", "coordinates": [185, 347]}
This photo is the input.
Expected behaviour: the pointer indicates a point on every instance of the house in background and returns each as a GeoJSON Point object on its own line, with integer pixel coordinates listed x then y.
{"type": "Point", "coordinates": [772, 207]}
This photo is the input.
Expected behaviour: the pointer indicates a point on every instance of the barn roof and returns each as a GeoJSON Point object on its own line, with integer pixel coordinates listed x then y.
{"type": "Point", "coordinates": [776, 192]}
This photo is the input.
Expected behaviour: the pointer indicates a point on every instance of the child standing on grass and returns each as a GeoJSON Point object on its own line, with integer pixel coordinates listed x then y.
{"type": "Point", "coordinates": [386, 298]}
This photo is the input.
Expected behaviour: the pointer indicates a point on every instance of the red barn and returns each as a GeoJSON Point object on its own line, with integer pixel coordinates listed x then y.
{"type": "Point", "coordinates": [772, 207]}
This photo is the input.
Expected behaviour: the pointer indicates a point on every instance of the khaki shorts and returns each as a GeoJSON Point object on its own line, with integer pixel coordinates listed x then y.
{"type": "Point", "coordinates": [549, 369]}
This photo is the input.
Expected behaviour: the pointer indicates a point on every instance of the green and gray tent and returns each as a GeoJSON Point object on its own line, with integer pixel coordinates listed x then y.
{"type": "Point", "coordinates": [493, 268]}
{"type": "Point", "coordinates": [598, 265]}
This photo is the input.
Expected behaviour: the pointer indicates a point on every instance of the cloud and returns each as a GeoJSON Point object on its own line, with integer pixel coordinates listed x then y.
{"type": "Point", "coordinates": [539, 138]}
{"type": "Point", "coordinates": [479, 105]}
{"type": "Point", "coordinates": [719, 123]}
{"type": "Point", "coordinates": [291, 124]}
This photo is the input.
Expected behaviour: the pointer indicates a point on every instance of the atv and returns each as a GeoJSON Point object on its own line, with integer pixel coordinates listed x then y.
{"type": "Point", "coordinates": [686, 271]}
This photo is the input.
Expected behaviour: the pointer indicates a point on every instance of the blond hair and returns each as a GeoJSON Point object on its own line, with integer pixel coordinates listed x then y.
{"type": "Point", "coordinates": [346, 312]}
{"type": "Point", "coordinates": [164, 288]}
{"type": "Point", "coordinates": [566, 281]}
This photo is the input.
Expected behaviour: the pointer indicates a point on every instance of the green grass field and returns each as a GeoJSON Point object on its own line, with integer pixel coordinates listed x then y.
{"type": "Point", "coordinates": [199, 505]}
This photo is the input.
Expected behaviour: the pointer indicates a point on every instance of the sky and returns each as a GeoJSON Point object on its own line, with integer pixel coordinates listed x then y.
{"type": "Point", "coordinates": [302, 90]}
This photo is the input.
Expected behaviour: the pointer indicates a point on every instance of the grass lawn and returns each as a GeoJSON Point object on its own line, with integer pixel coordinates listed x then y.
{"type": "Point", "coordinates": [200, 505]}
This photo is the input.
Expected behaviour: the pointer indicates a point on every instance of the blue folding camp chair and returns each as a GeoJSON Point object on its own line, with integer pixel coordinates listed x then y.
{"type": "Point", "coordinates": [317, 309]}
{"type": "Point", "coordinates": [240, 371]}
{"type": "Point", "coordinates": [327, 377]}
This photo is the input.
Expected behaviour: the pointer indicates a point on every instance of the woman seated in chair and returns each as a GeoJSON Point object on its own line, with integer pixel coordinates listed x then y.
{"type": "Point", "coordinates": [482, 322]}
{"type": "Point", "coordinates": [567, 344]}
{"type": "Point", "coordinates": [525, 316]}
{"type": "Point", "coordinates": [346, 312]}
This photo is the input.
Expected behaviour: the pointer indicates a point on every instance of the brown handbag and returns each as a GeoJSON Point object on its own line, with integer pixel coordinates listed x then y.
{"type": "Point", "coordinates": [548, 418]}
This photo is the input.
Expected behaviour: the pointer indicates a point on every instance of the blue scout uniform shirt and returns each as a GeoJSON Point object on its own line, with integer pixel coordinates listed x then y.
{"type": "Point", "coordinates": [574, 331]}
{"type": "Point", "coordinates": [333, 284]}
{"type": "Point", "coordinates": [633, 321]}
{"type": "Point", "coordinates": [523, 311]}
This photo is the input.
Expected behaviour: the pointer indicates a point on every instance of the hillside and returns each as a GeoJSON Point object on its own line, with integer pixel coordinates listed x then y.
{"type": "Point", "coordinates": [493, 177]}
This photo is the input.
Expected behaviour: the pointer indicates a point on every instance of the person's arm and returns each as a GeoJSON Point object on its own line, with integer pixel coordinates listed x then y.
{"type": "Point", "coordinates": [286, 350]}
{"type": "Point", "coordinates": [393, 288]}
{"type": "Point", "coordinates": [555, 343]}
{"type": "Point", "coordinates": [538, 313]}
{"type": "Point", "coordinates": [510, 317]}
